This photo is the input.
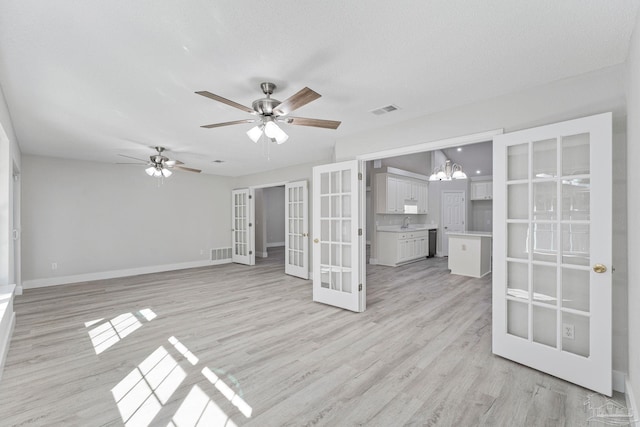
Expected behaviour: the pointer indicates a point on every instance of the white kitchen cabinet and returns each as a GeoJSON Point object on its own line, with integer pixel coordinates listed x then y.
{"type": "Point", "coordinates": [397, 248]}
{"type": "Point", "coordinates": [481, 190]}
{"type": "Point", "coordinates": [469, 253]}
{"type": "Point", "coordinates": [393, 191]}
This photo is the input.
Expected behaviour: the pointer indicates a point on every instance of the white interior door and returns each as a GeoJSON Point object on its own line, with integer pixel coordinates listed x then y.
{"type": "Point", "coordinates": [338, 244]}
{"type": "Point", "coordinates": [552, 249]}
{"type": "Point", "coordinates": [453, 215]}
{"type": "Point", "coordinates": [242, 220]}
{"type": "Point", "coordinates": [296, 259]}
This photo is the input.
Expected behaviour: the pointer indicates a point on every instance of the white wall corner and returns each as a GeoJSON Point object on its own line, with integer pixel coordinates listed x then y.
{"type": "Point", "coordinates": [631, 403]}
{"type": "Point", "coordinates": [262, 254]}
{"type": "Point", "coordinates": [373, 261]}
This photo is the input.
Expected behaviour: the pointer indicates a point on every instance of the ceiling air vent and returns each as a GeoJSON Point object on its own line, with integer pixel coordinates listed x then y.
{"type": "Point", "coordinates": [217, 161]}
{"type": "Point", "coordinates": [384, 110]}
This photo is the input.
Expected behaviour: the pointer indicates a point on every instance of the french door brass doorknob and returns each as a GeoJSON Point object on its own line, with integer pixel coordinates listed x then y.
{"type": "Point", "coordinates": [316, 241]}
{"type": "Point", "coordinates": [599, 268]}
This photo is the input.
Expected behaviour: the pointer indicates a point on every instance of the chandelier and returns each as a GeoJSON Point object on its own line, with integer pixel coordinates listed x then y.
{"type": "Point", "coordinates": [447, 172]}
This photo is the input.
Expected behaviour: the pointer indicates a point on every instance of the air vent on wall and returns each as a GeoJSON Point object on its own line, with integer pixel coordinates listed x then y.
{"type": "Point", "coordinates": [384, 110]}
{"type": "Point", "coordinates": [221, 255]}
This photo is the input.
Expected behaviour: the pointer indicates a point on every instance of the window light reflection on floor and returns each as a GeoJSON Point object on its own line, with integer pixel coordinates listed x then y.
{"type": "Point", "coordinates": [198, 409]}
{"type": "Point", "coordinates": [142, 393]}
{"type": "Point", "coordinates": [110, 332]}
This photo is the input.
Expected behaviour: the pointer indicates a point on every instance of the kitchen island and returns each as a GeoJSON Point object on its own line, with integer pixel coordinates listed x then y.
{"type": "Point", "coordinates": [470, 253]}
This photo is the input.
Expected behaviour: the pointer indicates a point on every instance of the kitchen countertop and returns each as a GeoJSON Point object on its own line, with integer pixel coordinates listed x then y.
{"type": "Point", "coordinates": [470, 233]}
{"type": "Point", "coordinates": [412, 227]}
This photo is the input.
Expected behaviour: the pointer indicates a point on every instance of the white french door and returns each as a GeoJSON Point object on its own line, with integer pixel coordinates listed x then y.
{"type": "Point", "coordinates": [552, 249]}
{"type": "Point", "coordinates": [453, 215]}
{"type": "Point", "coordinates": [296, 259]}
{"type": "Point", "coordinates": [338, 243]}
{"type": "Point", "coordinates": [242, 220]}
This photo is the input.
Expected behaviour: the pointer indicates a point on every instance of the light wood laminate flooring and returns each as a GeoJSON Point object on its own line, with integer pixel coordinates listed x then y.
{"type": "Point", "coordinates": [237, 345]}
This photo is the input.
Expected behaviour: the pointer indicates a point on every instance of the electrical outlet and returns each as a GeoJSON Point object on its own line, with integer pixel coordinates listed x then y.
{"type": "Point", "coordinates": [54, 265]}
{"type": "Point", "coordinates": [568, 331]}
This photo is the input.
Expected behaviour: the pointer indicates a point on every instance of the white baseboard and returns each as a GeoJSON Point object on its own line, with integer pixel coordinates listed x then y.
{"type": "Point", "coordinates": [275, 244]}
{"type": "Point", "coordinates": [631, 402]}
{"type": "Point", "coordinates": [19, 289]}
{"type": "Point", "coordinates": [373, 261]}
{"type": "Point", "coordinates": [88, 277]}
{"type": "Point", "coordinates": [618, 380]}
{"type": "Point", "coordinates": [261, 254]}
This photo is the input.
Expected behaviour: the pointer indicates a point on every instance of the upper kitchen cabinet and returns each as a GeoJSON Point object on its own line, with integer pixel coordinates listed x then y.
{"type": "Point", "coordinates": [400, 195]}
{"type": "Point", "coordinates": [481, 190]}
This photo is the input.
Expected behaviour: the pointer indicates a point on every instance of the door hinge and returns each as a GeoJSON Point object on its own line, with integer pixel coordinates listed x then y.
{"type": "Point", "coordinates": [250, 196]}
{"type": "Point", "coordinates": [250, 252]}
{"type": "Point", "coordinates": [359, 231]}
{"type": "Point", "coordinates": [360, 287]}
{"type": "Point", "coordinates": [250, 224]}
{"type": "Point", "coordinates": [359, 176]}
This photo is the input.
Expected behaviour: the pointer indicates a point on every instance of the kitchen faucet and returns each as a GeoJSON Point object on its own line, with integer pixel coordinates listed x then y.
{"type": "Point", "coordinates": [405, 222]}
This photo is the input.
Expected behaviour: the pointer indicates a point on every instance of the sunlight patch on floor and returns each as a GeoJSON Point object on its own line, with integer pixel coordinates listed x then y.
{"type": "Point", "coordinates": [198, 409]}
{"type": "Point", "coordinates": [110, 332]}
{"type": "Point", "coordinates": [141, 394]}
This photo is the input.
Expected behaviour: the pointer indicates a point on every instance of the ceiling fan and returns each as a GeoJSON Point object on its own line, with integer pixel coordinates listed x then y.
{"type": "Point", "coordinates": [270, 111]}
{"type": "Point", "coordinates": [160, 165]}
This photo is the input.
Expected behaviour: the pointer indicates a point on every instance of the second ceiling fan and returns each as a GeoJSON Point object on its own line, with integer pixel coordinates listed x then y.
{"type": "Point", "coordinates": [269, 111]}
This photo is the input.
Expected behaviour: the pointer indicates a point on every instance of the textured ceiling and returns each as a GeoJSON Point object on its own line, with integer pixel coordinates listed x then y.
{"type": "Point", "coordinates": [89, 80]}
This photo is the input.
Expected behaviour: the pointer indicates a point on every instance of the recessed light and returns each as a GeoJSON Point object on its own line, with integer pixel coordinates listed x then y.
{"type": "Point", "coordinates": [218, 161]}
{"type": "Point", "coordinates": [459, 148]}
{"type": "Point", "coordinates": [478, 171]}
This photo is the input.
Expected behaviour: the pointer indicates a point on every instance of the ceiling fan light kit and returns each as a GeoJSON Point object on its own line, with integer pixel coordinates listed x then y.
{"type": "Point", "coordinates": [159, 165]}
{"type": "Point", "coordinates": [270, 110]}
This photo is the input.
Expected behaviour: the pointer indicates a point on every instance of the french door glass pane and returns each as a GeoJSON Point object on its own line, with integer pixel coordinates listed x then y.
{"type": "Point", "coordinates": [545, 240]}
{"type": "Point", "coordinates": [575, 244]}
{"type": "Point", "coordinates": [518, 280]}
{"type": "Point", "coordinates": [518, 201]}
{"type": "Point", "coordinates": [576, 199]}
{"type": "Point", "coordinates": [575, 155]}
{"type": "Point", "coordinates": [544, 284]}
{"type": "Point", "coordinates": [544, 326]}
{"type": "Point", "coordinates": [579, 344]}
{"type": "Point", "coordinates": [518, 162]}
{"type": "Point", "coordinates": [545, 159]}
{"type": "Point", "coordinates": [517, 319]}
{"type": "Point", "coordinates": [545, 201]}
{"type": "Point", "coordinates": [575, 289]}
{"type": "Point", "coordinates": [518, 244]}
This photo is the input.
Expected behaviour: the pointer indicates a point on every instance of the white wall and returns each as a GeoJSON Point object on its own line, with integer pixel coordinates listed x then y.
{"type": "Point", "coordinates": [274, 212]}
{"type": "Point", "coordinates": [566, 99]}
{"type": "Point", "coordinates": [96, 217]}
{"type": "Point", "coordinates": [633, 207]}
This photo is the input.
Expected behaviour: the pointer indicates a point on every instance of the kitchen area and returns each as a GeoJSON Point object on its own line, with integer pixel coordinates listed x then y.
{"type": "Point", "coordinates": [432, 205]}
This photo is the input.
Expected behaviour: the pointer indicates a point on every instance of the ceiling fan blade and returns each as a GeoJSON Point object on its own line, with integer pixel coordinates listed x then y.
{"type": "Point", "coordinates": [225, 101]}
{"type": "Point", "coordinates": [173, 163]}
{"type": "Point", "coordinates": [137, 164]}
{"type": "Point", "coordinates": [235, 122]}
{"type": "Point", "coordinates": [183, 168]}
{"type": "Point", "coordinates": [319, 123]}
{"type": "Point", "coordinates": [303, 97]}
{"type": "Point", "coordinates": [134, 158]}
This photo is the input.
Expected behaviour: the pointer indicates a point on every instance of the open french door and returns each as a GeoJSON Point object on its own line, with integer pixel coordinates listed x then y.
{"type": "Point", "coordinates": [338, 243]}
{"type": "Point", "coordinates": [242, 220]}
{"type": "Point", "coordinates": [296, 259]}
{"type": "Point", "coordinates": [552, 250]}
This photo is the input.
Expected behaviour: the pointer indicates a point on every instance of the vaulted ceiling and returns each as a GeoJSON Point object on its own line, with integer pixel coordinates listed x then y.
{"type": "Point", "coordinates": [89, 80]}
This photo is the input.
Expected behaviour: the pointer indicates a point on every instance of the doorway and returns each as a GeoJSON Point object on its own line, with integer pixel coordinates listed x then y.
{"type": "Point", "coordinates": [453, 215]}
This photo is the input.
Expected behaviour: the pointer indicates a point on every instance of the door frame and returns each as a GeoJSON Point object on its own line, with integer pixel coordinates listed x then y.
{"type": "Point", "coordinates": [445, 246]}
